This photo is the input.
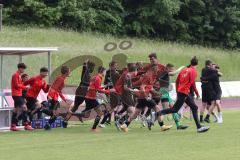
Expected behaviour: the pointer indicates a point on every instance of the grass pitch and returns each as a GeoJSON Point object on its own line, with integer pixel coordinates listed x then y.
{"type": "Point", "coordinates": [78, 143]}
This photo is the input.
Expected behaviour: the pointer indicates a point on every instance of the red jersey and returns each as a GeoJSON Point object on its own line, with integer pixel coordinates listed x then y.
{"type": "Point", "coordinates": [95, 86]}
{"type": "Point", "coordinates": [144, 91]}
{"type": "Point", "coordinates": [186, 79]}
{"type": "Point", "coordinates": [148, 67]}
{"type": "Point", "coordinates": [56, 89]}
{"type": "Point", "coordinates": [119, 86]}
{"type": "Point", "coordinates": [149, 78]}
{"type": "Point", "coordinates": [145, 84]}
{"type": "Point", "coordinates": [17, 84]}
{"type": "Point", "coordinates": [36, 84]}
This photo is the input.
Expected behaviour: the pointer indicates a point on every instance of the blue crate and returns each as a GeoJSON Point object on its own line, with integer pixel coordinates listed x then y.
{"type": "Point", "coordinates": [40, 123]}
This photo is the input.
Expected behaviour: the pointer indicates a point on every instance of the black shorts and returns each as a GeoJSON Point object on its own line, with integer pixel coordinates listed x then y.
{"type": "Point", "coordinates": [31, 103]}
{"type": "Point", "coordinates": [218, 95]}
{"type": "Point", "coordinates": [208, 95]}
{"type": "Point", "coordinates": [114, 99]}
{"type": "Point", "coordinates": [77, 102]}
{"type": "Point", "coordinates": [142, 103]}
{"type": "Point", "coordinates": [128, 99]}
{"type": "Point", "coordinates": [53, 105]}
{"type": "Point", "coordinates": [91, 103]}
{"type": "Point", "coordinates": [19, 101]}
{"type": "Point", "coordinates": [157, 100]}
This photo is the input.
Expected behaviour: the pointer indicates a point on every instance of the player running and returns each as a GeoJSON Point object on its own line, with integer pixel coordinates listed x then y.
{"type": "Point", "coordinates": [80, 93]}
{"type": "Point", "coordinates": [166, 100]}
{"type": "Point", "coordinates": [127, 98]}
{"type": "Point", "coordinates": [185, 80]}
{"type": "Point", "coordinates": [111, 78]}
{"type": "Point", "coordinates": [146, 90]}
{"type": "Point", "coordinates": [36, 84]}
{"type": "Point", "coordinates": [53, 95]}
{"type": "Point", "coordinates": [91, 97]}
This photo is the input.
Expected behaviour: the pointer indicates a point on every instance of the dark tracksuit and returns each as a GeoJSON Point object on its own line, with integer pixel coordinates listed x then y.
{"type": "Point", "coordinates": [208, 92]}
{"type": "Point", "coordinates": [214, 81]}
{"type": "Point", "coordinates": [82, 88]}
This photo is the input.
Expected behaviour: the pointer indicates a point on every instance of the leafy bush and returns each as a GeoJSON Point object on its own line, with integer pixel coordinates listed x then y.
{"type": "Point", "coordinates": [206, 22]}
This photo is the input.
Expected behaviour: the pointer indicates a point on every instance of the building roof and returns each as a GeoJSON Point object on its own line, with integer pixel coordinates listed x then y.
{"type": "Point", "coordinates": [22, 51]}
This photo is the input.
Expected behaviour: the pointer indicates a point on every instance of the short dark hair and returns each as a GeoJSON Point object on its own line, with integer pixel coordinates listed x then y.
{"type": "Point", "coordinates": [43, 69]}
{"type": "Point", "coordinates": [21, 65]}
{"type": "Point", "coordinates": [65, 69]}
{"type": "Point", "coordinates": [112, 63]}
{"type": "Point", "coordinates": [131, 67]}
{"type": "Point", "coordinates": [194, 61]}
{"type": "Point", "coordinates": [90, 64]}
{"type": "Point", "coordinates": [216, 66]}
{"type": "Point", "coordinates": [154, 55]}
{"type": "Point", "coordinates": [169, 65]}
{"type": "Point", "coordinates": [24, 75]}
{"type": "Point", "coordinates": [101, 69]}
{"type": "Point", "coordinates": [208, 62]}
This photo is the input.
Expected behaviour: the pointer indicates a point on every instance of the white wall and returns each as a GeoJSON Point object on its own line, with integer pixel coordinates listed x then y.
{"type": "Point", "coordinates": [229, 89]}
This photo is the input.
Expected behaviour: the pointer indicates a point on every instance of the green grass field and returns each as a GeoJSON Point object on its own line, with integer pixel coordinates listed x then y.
{"type": "Point", "coordinates": [72, 44]}
{"type": "Point", "coordinates": [220, 143]}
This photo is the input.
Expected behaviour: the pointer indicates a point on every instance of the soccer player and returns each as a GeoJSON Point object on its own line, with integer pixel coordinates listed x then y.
{"type": "Point", "coordinates": [208, 92]}
{"type": "Point", "coordinates": [193, 92]}
{"type": "Point", "coordinates": [88, 68]}
{"type": "Point", "coordinates": [111, 77]}
{"type": "Point", "coordinates": [213, 78]}
{"type": "Point", "coordinates": [53, 95]}
{"type": "Point", "coordinates": [24, 77]}
{"type": "Point", "coordinates": [145, 85]}
{"type": "Point", "coordinates": [91, 98]}
{"type": "Point", "coordinates": [166, 100]}
{"type": "Point", "coordinates": [127, 98]}
{"type": "Point", "coordinates": [185, 80]}
{"type": "Point", "coordinates": [36, 84]}
{"type": "Point", "coordinates": [20, 107]}
{"type": "Point", "coordinates": [217, 88]}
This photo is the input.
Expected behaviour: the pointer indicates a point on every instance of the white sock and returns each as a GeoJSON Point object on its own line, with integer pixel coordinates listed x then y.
{"type": "Point", "coordinates": [220, 115]}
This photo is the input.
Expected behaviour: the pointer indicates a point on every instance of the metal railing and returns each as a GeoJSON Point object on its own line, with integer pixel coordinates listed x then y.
{"type": "Point", "coordinates": [1, 6]}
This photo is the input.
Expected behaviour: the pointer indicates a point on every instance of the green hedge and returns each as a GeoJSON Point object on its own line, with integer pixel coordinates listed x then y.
{"type": "Point", "coordinates": [205, 22]}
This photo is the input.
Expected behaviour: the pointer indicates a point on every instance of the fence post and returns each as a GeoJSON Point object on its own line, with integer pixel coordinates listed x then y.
{"type": "Point", "coordinates": [1, 6]}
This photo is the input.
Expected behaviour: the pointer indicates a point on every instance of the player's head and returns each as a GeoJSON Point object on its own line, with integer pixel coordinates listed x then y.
{"type": "Point", "coordinates": [44, 72]}
{"type": "Point", "coordinates": [24, 77]}
{"type": "Point", "coordinates": [215, 66]}
{"type": "Point", "coordinates": [65, 71]}
{"type": "Point", "coordinates": [101, 70]}
{"type": "Point", "coordinates": [208, 63]}
{"type": "Point", "coordinates": [194, 61]}
{"type": "Point", "coordinates": [113, 65]}
{"type": "Point", "coordinates": [153, 58]}
{"type": "Point", "coordinates": [21, 67]}
{"type": "Point", "coordinates": [139, 65]}
{"type": "Point", "coordinates": [169, 67]}
{"type": "Point", "coordinates": [131, 67]}
{"type": "Point", "coordinates": [90, 66]}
